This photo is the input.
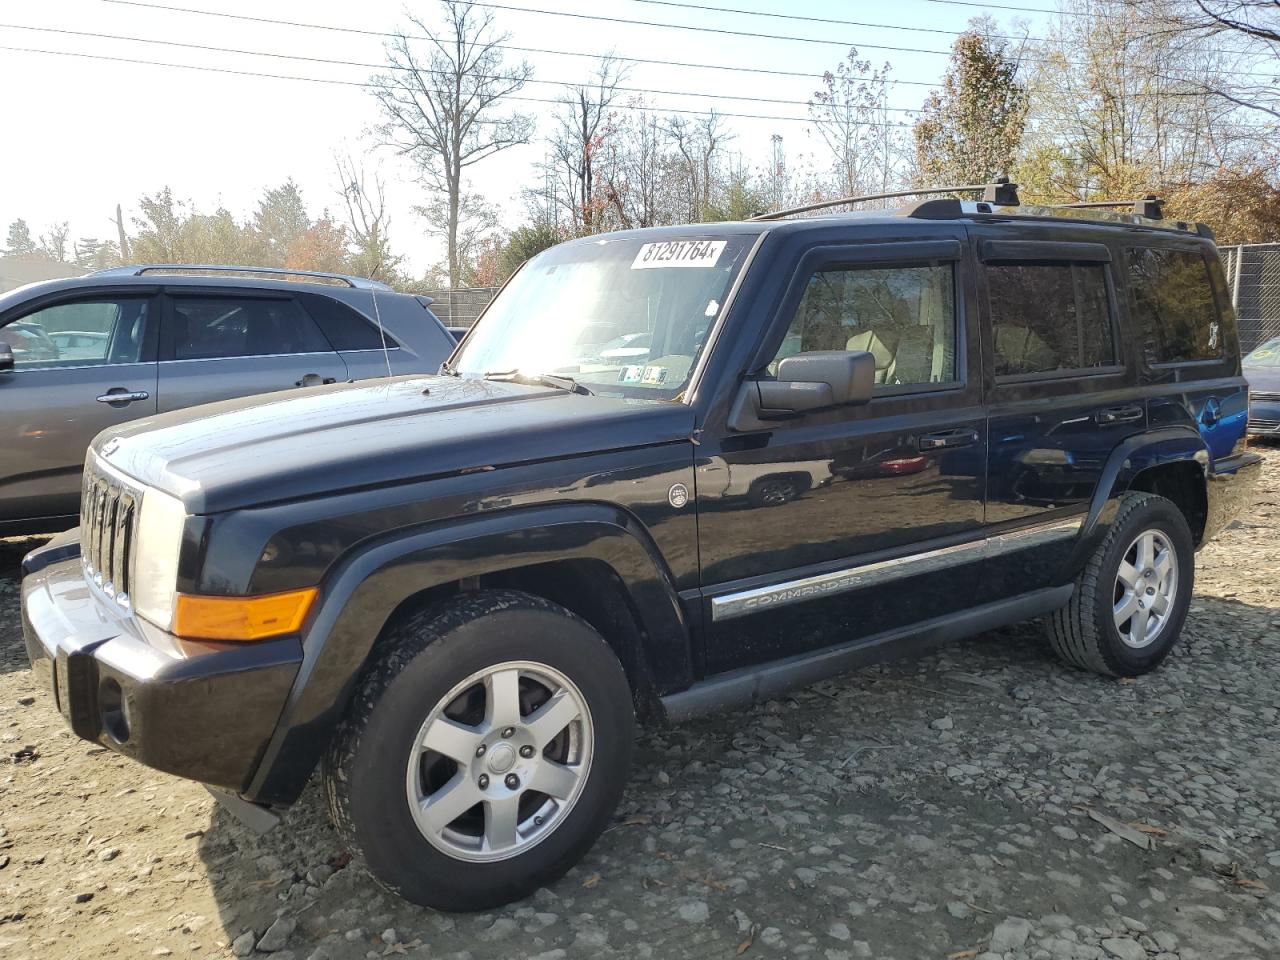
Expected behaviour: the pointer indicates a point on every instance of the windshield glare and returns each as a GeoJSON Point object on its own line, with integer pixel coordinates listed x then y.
{"type": "Point", "coordinates": [1266, 355]}
{"type": "Point", "coordinates": [624, 317]}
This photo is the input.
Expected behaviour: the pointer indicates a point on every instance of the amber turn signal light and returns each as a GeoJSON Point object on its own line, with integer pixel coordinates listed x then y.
{"type": "Point", "coordinates": [242, 618]}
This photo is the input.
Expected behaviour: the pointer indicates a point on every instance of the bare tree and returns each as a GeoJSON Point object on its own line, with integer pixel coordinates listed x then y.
{"type": "Point", "coordinates": [367, 219]}
{"type": "Point", "coordinates": [443, 107]}
{"type": "Point", "coordinates": [698, 144]}
{"type": "Point", "coordinates": [1125, 108]}
{"type": "Point", "coordinates": [1252, 27]}
{"type": "Point", "coordinates": [581, 125]}
{"type": "Point", "coordinates": [54, 243]}
{"type": "Point", "coordinates": [851, 116]}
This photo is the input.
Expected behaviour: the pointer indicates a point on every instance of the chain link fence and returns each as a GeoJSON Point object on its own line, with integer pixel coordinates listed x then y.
{"type": "Point", "coordinates": [459, 307]}
{"type": "Point", "coordinates": [1253, 271]}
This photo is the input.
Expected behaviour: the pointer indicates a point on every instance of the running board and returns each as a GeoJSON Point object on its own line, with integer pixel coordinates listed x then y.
{"type": "Point", "coordinates": [737, 688]}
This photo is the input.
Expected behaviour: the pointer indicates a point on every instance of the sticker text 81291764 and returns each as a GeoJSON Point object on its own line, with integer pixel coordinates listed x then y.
{"type": "Point", "coordinates": [678, 253]}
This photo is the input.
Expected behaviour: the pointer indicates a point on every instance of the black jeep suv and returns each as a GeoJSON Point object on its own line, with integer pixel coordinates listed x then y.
{"type": "Point", "coordinates": [669, 471]}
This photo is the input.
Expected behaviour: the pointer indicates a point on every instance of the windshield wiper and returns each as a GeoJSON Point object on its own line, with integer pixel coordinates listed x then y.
{"type": "Point", "coordinates": [546, 379]}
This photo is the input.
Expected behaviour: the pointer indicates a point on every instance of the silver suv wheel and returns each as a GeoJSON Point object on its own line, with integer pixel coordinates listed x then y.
{"type": "Point", "coordinates": [500, 761]}
{"type": "Point", "coordinates": [1145, 589]}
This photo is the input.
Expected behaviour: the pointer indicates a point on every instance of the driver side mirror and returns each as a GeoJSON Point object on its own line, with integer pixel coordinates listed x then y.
{"type": "Point", "coordinates": [6, 357]}
{"type": "Point", "coordinates": [806, 381]}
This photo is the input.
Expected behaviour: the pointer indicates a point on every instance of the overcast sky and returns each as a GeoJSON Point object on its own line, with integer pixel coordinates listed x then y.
{"type": "Point", "coordinates": [85, 134]}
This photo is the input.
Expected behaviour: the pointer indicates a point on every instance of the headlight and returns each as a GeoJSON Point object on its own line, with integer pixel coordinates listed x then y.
{"type": "Point", "coordinates": [155, 557]}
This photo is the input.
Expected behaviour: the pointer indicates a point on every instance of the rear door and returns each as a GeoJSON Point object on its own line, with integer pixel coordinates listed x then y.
{"type": "Point", "coordinates": [82, 364]}
{"type": "Point", "coordinates": [1062, 392]}
{"type": "Point", "coordinates": [217, 344]}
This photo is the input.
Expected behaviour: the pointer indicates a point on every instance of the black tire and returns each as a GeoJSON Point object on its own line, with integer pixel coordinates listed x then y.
{"type": "Point", "coordinates": [1084, 633]}
{"type": "Point", "coordinates": [420, 662]}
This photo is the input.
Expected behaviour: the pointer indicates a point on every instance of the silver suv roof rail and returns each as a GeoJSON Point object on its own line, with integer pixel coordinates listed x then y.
{"type": "Point", "coordinates": [200, 269]}
{"type": "Point", "coordinates": [1000, 191]}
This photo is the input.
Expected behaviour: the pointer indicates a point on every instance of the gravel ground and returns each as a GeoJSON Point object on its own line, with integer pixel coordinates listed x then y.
{"type": "Point", "coordinates": [983, 802]}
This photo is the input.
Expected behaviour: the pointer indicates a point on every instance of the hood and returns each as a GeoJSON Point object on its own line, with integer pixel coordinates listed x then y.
{"type": "Point", "coordinates": [1263, 379]}
{"type": "Point", "coordinates": [323, 440]}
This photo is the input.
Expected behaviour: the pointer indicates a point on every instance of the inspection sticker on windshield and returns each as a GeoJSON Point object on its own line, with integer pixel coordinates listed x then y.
{"type": "Point", "coordinates": [679, 253]}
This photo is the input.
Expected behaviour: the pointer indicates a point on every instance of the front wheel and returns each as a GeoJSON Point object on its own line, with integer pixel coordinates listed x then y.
{"type": "Point", "coordinates": [1131, 599]}
{"type": "Point", "coordinates": [484, 752]}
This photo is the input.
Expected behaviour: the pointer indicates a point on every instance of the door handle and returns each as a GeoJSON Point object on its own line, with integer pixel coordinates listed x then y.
{"type": "Point", "coordinates": [947, 439]}
{"type": "Point", "coordinates": [1118, 415]}
{"type": "Point", "coordinates": [313, 380]}
{"type": "Point", "coordinates": [118, 395]}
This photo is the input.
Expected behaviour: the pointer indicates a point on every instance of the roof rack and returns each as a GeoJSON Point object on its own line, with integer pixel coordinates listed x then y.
{"type": "Point", "coordinates": [1150, 206]}
{"type": "Point", "coordinates": [1000, 192]}
{"type": "Point", "coordinates": [198, 269]}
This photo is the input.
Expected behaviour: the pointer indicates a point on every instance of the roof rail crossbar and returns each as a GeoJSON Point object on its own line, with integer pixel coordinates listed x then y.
{"type": "Point", "coordinates": [138, 270]}
{"type": "Point", "coordinates": [1000, 192]}
{"type": "Point", "coordinates": [1151, 207]}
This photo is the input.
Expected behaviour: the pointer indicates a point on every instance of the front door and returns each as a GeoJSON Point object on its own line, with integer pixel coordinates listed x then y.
{"type": "Point", "coordinates": [848, 522]}
{"type": "Point", "coordinates": [80, 365]}
{"type": "Point", "coordinates": [221, 344]}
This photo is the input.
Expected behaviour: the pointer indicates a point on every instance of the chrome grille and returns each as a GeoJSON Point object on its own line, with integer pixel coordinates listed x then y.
{"type": "Point", "coordinates": [108, 520]}
{"type": "Point", "coordinates": [1264, 395]}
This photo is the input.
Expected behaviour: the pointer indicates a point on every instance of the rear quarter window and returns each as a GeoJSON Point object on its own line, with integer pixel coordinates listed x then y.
{"type": "Point", "coordinates": [344, 328]}
{"type": "Point", "coordinates": [1174, 310]}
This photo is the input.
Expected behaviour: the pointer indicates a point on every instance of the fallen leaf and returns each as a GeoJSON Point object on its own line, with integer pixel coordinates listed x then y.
{"type": "Point", "coordinates": [1148, 828]}
{"type": "Point", "coordinates": [591, 881]}
{"type": "Point", "coordinates": [745, 945]}
{"type": "Point", "coordinates": [1253, 884]}
{"type": "Point", "coordinates": [962, 954]}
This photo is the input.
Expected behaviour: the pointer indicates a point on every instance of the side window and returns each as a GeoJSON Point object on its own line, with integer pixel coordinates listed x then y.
{"type": "Point", "coordinates": [904, 316]}
{"type": "Point", "coordinates": [1173, 305]}
{"type": "Point", "coordinates": [342, 326]}
{"type": "Point", "coordinates": [1047, 317]}
{"type": "Point", "coordinates": [207, 328]}
{"type": "Point", "coordinates": [83, 333]}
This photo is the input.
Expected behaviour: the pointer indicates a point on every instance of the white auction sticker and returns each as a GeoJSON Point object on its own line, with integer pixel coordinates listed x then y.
{"type": "Point", "coordinates": [679, 253]}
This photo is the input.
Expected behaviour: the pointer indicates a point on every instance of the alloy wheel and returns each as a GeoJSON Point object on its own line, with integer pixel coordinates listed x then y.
{"type": "Point", "coordinates": [1145, 589]}
{"type": "Point", "coordinates": [500, 761]}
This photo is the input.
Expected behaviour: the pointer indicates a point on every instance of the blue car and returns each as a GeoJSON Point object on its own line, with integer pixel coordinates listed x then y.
{"type": "Point", "coordinates": [1262, 370]}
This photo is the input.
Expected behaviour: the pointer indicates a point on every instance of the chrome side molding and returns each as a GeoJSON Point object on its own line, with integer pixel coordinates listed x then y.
{"type": "Point", "coordinates": [743, 602]}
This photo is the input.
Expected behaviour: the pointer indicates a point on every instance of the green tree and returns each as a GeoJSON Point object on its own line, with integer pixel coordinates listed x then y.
{"type": "Point", "coordinates": [525, 243]}
{"type": "Point", "coordinates": [19, 243]}
{"type": "Point", "coordinates": [971, 129]}
{"type": "Point", "coordinates": [281, 219]}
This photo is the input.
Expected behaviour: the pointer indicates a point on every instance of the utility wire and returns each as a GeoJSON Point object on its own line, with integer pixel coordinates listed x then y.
{"type": "Point", "coordinates": [581, 16]}
{"type": "Point", "coordinates": [352, 83]}
{"type": "Point", "coordinates": [240, 51]}
{"type": "Point", "coordinates": [823, 20]}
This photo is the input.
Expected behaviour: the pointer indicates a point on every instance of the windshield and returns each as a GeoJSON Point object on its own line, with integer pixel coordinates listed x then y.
{"type": "Point", "coordinates": [622, 317]}
{"type": "Point", "coordinates": [1265, 355]}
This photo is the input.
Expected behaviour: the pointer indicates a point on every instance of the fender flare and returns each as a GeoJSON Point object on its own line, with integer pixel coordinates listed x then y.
{"type": "Point", "coordinates": [1132, 456]}
{"type": "Point", "coordinates": [365, 588]}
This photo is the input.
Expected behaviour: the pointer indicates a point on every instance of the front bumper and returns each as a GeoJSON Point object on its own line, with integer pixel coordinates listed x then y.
{"type": "Point", "coordinates": [1264, 417]}
{"type": "Point", "coordinates": [1232, 485]}
{"type": "Point", "coordinates": [198, 710]}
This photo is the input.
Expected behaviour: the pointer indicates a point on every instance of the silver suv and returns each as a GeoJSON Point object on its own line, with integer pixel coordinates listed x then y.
{"type": "Point", "coordinates": [80, 355]}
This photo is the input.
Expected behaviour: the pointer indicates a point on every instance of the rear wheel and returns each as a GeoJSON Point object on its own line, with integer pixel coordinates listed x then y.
{"type": "Point", "coordinates": [484, 752]}
{"type": "Point", "coordinates": [1131, 599]}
